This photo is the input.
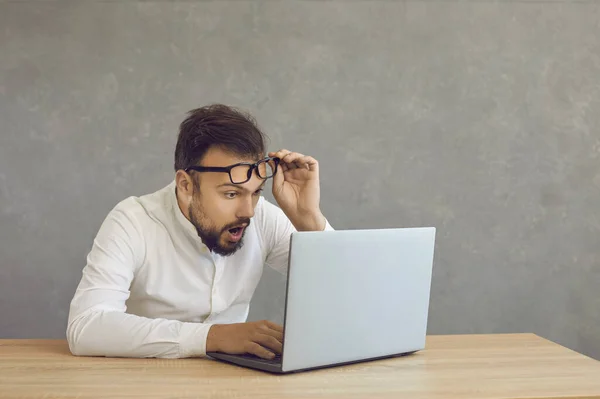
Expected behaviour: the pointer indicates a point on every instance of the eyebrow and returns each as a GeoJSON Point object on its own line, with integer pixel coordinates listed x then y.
{"type": "Point", "coordinates": [239, 186]}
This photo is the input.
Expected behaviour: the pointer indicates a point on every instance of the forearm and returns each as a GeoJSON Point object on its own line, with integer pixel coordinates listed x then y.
{"type": "Point", "coordinates": [118, 334]}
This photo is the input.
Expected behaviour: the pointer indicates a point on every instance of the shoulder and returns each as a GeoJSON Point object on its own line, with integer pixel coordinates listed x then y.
{"type": "Point", "coordinates": [132, 216]}
{"type": "Point", "coordinates": [145, 208]}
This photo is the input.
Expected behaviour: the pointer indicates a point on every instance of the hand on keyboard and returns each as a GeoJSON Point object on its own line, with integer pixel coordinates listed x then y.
{"type": "Point", "coordinates": [261, 338]}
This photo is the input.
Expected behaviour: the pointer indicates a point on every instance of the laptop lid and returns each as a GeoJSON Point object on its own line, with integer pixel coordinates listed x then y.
{"type": "Point", "coordinates": [354, 295]}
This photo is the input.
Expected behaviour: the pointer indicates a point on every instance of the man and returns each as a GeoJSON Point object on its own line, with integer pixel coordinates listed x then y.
{"type": "Point", "coordinates": [171, 274]}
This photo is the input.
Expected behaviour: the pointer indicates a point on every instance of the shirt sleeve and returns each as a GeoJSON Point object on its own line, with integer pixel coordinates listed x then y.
{"type": "Point", "coordinates": [277, 230]}
{"type": "Point", "coordinates": [98, 324]}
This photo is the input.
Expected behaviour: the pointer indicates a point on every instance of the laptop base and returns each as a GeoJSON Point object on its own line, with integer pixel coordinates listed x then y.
{"type": "Point", "coordinates": [275, 367]}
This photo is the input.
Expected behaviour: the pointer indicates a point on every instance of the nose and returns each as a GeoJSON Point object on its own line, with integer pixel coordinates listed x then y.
{"type": "Point", "coordinates": [246, 208]}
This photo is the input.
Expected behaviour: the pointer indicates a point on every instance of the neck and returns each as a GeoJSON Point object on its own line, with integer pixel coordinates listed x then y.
{"type": "Point", "coordinates": [184, 209]}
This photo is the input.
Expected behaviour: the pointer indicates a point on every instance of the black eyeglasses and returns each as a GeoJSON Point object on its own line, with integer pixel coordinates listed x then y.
{"type": "Point", "coordinates": [242, 172]}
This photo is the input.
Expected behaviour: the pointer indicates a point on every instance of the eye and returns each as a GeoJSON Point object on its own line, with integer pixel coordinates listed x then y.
{"type": "Point", "coordinates": [258, 192]}
{"type": "Point", "coordinates": [231, 195]}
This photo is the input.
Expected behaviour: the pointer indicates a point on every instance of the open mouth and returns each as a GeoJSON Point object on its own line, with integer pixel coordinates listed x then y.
{"type": "Point", "coordinates": [235, 234]}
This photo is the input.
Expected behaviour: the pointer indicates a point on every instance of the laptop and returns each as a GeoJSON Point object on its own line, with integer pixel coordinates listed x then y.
{"type": "Point", "coordinates": [351, 296]}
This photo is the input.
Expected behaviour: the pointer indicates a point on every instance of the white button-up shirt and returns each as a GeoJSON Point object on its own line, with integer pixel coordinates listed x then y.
{"type": "Point", "coordinates": [151, 288]}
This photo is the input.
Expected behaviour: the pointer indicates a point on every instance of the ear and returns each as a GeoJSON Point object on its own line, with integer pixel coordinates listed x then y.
{"type": "Point", "coordinates": [185, 185]}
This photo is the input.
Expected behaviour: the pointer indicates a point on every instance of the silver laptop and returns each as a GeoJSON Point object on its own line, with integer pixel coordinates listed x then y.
{"type": "Point", "coordinates": [352, 296]}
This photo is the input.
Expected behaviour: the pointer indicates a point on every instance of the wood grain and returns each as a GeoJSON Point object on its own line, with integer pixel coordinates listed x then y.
{"type": "Point", "coordinates": [454, 366]}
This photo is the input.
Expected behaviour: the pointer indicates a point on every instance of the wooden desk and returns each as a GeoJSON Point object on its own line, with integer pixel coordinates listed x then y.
{"type": "Point", "coordinates": [459, 366]}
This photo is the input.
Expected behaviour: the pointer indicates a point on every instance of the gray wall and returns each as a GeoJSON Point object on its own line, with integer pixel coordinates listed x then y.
{"type": "Point", "coordinates": [478, 117]}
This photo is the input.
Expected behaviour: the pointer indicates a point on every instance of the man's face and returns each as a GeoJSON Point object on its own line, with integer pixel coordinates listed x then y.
{"type": "Point", "coordinates": [221, 211]}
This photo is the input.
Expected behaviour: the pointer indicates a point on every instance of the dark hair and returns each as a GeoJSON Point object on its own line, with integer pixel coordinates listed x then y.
{"type": "Point", "coordinates": [217, 125]}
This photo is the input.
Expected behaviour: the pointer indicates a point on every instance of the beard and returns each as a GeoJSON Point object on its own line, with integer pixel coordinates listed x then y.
{"type": "Point", "coordinates": [211, 235]}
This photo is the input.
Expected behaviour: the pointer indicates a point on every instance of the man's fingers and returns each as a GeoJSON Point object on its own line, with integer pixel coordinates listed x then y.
{"type": "Point", "coordinates": [270, 328]}
{"type": "Point", "coordinates": [286, 156]}
{"type": "Point", "coordinates": [274, 326]}
{"type": "Point", "coordinates": [291, 157]}
{"type": "Point", "coordinates": [307, 162]}
{"type": "Point", "coordinates": [288, 160]}
{"type": "Point", "coordinates": [277, 334]}
{"type": "Point", "coordinates": [259, 351]}
{"type": "Point", "coordinates": [269, 342]}
{"type": "Point", "coordinates": [279, 154]}
{"type": "Point", "coordinates": [297, 160]}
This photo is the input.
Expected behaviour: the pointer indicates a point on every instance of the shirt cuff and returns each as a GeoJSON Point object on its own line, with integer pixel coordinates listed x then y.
{"type": "Point", "coordinates": [328, 226]}
{"type": "Point", "coordinates": [192, 339]}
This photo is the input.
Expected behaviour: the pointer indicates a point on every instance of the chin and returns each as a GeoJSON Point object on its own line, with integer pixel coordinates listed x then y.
{"type": "Point", "coordinates": [229, 249]}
